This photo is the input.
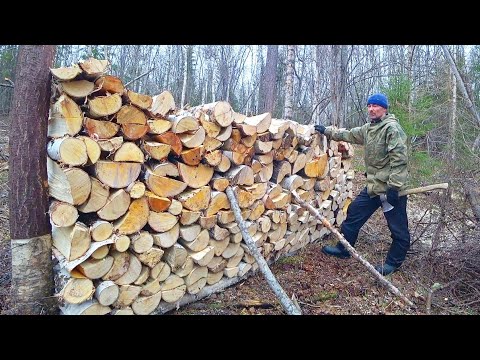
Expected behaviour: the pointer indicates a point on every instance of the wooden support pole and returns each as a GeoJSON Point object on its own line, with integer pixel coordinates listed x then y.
{"type": "Point", "coordinates": [287, 304]}
{"type": "Point", "coordinates": [352, 250]}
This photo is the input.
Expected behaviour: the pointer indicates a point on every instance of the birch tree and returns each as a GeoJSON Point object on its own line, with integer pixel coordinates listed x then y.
{"type": "Point", "coordinates": [470, 105]}
{"type": "Point", "coordinates": [288, 111]}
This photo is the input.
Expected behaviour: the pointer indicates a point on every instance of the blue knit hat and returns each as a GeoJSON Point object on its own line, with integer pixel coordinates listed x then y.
{"type": "Point", "coordinates": [378, 99]}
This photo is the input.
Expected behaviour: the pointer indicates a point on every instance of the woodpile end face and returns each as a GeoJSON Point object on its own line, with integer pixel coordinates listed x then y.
{"type": "Point", "coordinates": [140, 218]}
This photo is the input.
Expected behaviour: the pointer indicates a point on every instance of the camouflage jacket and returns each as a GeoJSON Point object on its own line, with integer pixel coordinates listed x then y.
{"type": "Point", "coordinates": [385, 152]}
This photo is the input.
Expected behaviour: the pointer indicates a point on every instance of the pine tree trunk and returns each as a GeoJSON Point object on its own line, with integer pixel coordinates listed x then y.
{"type": "Point", "coordinates": [32, 277]}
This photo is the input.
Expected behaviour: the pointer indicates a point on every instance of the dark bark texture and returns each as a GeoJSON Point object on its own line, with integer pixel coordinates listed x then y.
{"type": "Point", "coordinates": [270, 79]}
{"type": "Point", "coordinates": [32, 271]}
{"type": "Point", "coordinates": [28, 141]}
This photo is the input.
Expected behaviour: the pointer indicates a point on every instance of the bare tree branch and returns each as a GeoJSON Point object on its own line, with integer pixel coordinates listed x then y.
{"type": "Point", "coordinates": [140, 76]}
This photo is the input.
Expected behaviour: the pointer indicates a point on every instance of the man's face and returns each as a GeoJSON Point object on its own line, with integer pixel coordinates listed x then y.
{"type": "Point", "coordinates": [375, 111]}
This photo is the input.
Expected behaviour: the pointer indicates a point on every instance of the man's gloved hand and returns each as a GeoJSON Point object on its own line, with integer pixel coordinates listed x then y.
{"type": "Point", "coordinates": [392, 197]}
{"type": "Point", "coordinates": [320, 129]}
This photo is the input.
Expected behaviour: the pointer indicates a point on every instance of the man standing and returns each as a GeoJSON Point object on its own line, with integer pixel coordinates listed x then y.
{"type": "Point", "coordinates": [386, 170]}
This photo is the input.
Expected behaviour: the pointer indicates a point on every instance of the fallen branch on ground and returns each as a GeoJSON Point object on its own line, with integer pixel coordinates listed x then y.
{"type": "Point", "coordinates": [287, 304]}
{"type": "Point", "coordinates": [352, 250]}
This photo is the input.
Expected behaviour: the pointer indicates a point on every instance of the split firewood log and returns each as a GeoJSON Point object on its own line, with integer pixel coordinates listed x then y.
{"type": "Point", "coordinates": [161, 271]}
{"type": "Point", "coordinates": [213, 158]}
{"type": "Point", "coordinates": [93, 149]}
{"type": "Point", "coordinates": [135, 219]}
{"type": "Point", "coordinates": [110, 145]}
{"type": "Point", "coordinates": [175, 207]}
{"type": "Point", "coordinates": [144, 305]}
{"type": "Point", "coordinates": [102, 106]}
{"type": "Point", "coordinates": [77, 89]}
{"type": "Point", "coordinates": [136, 189]}
{"type": "Point", "coordinates": [66, 118]}
{"type": "Point", "coordinates": [171, 139]}
{"type": "Point", "coordinates": [101, 252]}
{"type": "Point", "coordinates": [100, 129]}
{"type": "Point", "coordinates": [77, 291]}
{"type": "Point", "coordinates": [93, 68]}
{"type": "Point", "coordinates": [107, 292]}
{"type": "Point", "coordinates": [158, 126]}
{"type": "Point", "coordinates": [117, 174]}
{"type": "Point", "coordinates": [168, 238]}
{"type": "Point", "coordinates": [122, 243]}
{"type": "Point", "coordinates": [189, 217]}
{"type": "Point", "coordinates": [66, 73]}
{"type": "Point", "coordinates": [116, 205]}
{"type": "Point", "coordinates": [183, 122]}
{"type": "Point", "coordinates": [128, 293]}
{"type": "Point", "coordinates": [109, 84]}
{"type": "Point", "coordinates": [165, 169]}
{"type": "Point", "coordinates": [141, 242]}
{"type": "Point", "coordinates": [225, 133]}
{"type": "Point", "coordinates": [101, 230]}
{"type": "Point", "coordinates": [90, 307]}
{"type": "Point", "coordinates": [140, 100]}
{"type": "Point", "coordinates": [162, 104]}
{"type": "Point", "coordinates": [193, 156]}
{"type": "Point", "coordinates": [175, 256]}
{"type": "Point", "coordinates": [129, 152]}
{"type": "Point", "coordinates": [193, 139]}
{"type": "Point", "coordinates": [72, 241]}
{"type": "Point", "coordinates": [195, 176]}
{"type": "Point", "coordinates": [70, 185]}
{"type": "Point", "coordinates": [220, 112]}
{"type": "Point", "coordinates": [161, 221]}
{"type": "Point", "coordinates": [163, 186]}
{"type": "Point", "coordinates": [62, 214]}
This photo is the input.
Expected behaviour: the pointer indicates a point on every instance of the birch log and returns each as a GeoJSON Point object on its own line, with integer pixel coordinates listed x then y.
{"type": "Point", "coordinates": [287, 304]}
{"type": "Point", "coordinates": [352, 250]}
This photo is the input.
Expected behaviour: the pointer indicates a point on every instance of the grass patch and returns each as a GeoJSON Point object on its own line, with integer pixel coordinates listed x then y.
{"type": "Point", "coordinates": [325, 295]}
{"type": "Point", "coordinates": [215, 306]}
{"type": "Point", "coordinates": [291, 260]}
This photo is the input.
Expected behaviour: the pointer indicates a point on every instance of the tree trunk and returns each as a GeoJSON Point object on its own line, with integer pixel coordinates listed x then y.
{"type": "Point", "coordinates": [338, 76]}
{"type": "Point", "coordinates": [453, 120]}
{"type": "Point", "coordinates": [270, 79]}
{"type": "Point", "coordinates": [288, 112]}
{"type": "Point", "coordinates": [185, 77]}
{"type": "Point", "coordinates": [410, 53]}
{"type": "Point", "coordinates": [31, 242]}
{"type": "Point", "coordinates": [471, 107]}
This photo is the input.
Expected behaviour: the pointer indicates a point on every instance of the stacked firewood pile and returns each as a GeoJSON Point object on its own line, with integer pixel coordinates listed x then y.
{"type": "Point", "coordinates": [139, 213]}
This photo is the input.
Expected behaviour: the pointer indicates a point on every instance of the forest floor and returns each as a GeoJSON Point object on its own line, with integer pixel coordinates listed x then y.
{"type": "Point", "coordinates": [327, 285]}
{"type": "Point", "coordinates": [321, 284]}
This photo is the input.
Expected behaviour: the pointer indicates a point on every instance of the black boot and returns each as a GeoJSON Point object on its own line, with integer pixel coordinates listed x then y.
{"type": "Point", "coordinates": [337, 251]}
{"type": "Point", "coordinates": [386, 269]}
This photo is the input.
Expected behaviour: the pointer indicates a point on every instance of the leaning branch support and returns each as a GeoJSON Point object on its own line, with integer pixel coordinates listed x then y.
{"type": "Point", "coordinates": [352, 250]}
{"type": "Point", "coordinates": [139, 77]}
{"type": "Point", "coordinates": [287, 304]}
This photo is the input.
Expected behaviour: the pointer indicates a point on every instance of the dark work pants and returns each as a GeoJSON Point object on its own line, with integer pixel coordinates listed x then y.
{"type": "Point", "coordinates": [360, 211]}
